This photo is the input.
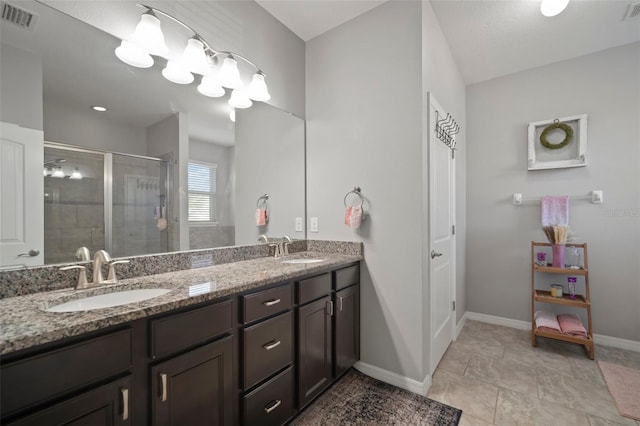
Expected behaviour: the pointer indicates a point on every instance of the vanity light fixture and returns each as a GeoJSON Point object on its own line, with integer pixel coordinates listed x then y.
{"type": "Point", "coordinates": [58, 173]}
{"type": "Point", "coordinates": [553, 7]}
{"type": "Point", "coordinates": [76, 175]}
{"type": "Point", "coordinates": [198, 57]}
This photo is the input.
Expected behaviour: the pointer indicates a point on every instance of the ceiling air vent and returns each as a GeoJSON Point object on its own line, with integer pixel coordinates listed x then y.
{"type": "Point", "coordinates": [18, 16]}
{"type": "Point", "coordinates": [633, 12]}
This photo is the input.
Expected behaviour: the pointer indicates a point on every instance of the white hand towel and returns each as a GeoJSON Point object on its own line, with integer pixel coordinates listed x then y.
{"type": "Point", "coordinates": [555, 210]}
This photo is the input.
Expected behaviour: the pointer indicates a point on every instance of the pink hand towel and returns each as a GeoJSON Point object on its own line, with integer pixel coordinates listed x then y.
{"type": "Point", "coordinates": [353, 217]}
{"type": "Point", "coordinates": [261, 217]}
{"type": "Point", "coordinates": [555, 210]}
{"type": "Point", "coordinates": [570, 324]}
{"type": "Point", "coordinates": [546, 321]}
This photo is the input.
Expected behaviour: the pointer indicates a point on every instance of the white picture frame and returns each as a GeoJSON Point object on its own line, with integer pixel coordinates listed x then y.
{"type": "Point", "coordinates": [572, 155]}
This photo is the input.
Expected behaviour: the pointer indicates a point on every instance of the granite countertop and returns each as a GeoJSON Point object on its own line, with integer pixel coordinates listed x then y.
{"type": "Point", "coordinates": [26, 324]}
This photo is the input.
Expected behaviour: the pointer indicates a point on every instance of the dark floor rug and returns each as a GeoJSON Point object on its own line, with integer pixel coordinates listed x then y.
{"type": "Point", "coordinates": [357, 399]}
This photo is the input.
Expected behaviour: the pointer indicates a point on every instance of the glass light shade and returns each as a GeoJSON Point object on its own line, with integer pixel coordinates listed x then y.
{"type": "Point", "coordinates": [76, 174]}
{"type": "Point", "coordinates": [148, 35]}
{"type": "Point", "coordinates": [232, 115]}
{"type": "Point", "coordinates": [258, 88]}
{"type": "Point", "coordinates": [58, 173]}
{"type": "Point", "coordinates": [553, 7]}
{"type": "Point", "coordinates": [239, 98]}
{"type": "Point", "coordinates": [132, 54]}
{"type": "Point", "coordinates": [229, 74]}
{"type": "Point", "coordinates": [194, 57]}
{"type": "Point", "coordinates": [46, 171]}
{"type": "Point", "coordinates": [210, 86]}
{"type": "Point", "coordinates": [177, 73]}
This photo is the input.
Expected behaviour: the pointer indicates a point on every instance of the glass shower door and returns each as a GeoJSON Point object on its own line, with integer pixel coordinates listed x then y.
{"type": "Point", "coordinates": [139, 206]}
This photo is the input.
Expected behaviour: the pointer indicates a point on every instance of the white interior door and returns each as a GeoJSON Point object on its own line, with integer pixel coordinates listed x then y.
{"type": "Point", "coordinates": [21, 196]}
{"type": "Point", "coordinates": [441, 239]}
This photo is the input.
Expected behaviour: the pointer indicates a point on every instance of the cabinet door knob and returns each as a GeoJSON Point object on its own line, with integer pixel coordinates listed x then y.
{"type": "Point", "coordinates": [271, 302]}
{"type": "Point", "coordinates": [163, 380]}
{"type": "Point", "coordinates": [273, 406]}
{"type": "Point", "coordinates": [124, 392]}
{"type": "Point", "coordinates": [271, 345]}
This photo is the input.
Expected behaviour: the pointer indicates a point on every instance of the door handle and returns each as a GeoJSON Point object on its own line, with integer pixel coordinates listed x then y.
{"type": "Point", "coordinates": [435, 254]}
{"type": "Point", "coordinates": [163, 379]}
{"type": "Point", "coordinates": [31, 253]}
{"type": "Point", "coordinates": [125, 403]}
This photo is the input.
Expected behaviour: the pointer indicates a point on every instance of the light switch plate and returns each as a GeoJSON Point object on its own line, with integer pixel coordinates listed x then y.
{"type": "Point", "coordinates": [298, 224]}
{"type": "Point", "coordinates": [314, 224]}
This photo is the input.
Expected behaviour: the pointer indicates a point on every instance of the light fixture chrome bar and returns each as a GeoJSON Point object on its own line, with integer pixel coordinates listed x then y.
{"type": "Point", "coordinates": [197, 35]}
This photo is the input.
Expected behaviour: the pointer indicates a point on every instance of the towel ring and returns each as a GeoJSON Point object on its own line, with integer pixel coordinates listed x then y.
{"type": "Point", "coordinates": [356, 190]}
{"type": "Point", "coordinates": [263, 198]}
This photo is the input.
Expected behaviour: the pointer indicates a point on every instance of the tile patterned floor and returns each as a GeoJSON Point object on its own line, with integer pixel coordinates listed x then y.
{"type": "Point", "coordinates": [496, 377]}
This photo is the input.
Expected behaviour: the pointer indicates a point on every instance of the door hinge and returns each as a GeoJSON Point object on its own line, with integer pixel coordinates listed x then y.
{"type": "Point", "coordinates": [453, 303]}
{"type": "Point", "coordinates": [453, 230]}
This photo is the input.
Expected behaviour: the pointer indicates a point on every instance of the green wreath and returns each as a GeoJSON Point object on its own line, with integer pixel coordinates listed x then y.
{"type": "Point", "coordinates": [568, 131]}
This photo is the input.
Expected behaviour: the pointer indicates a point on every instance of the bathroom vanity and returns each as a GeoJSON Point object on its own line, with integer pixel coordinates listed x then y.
{"type": "Point", "coordinates": [249, 342]}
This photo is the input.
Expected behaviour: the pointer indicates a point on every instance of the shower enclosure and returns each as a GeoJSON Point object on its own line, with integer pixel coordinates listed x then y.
{"type": "Point", "coordinates": [102, 200]}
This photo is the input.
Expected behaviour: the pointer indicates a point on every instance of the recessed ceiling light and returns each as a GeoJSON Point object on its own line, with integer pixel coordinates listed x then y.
{"type": "Point", "coordinates": [98, 108]}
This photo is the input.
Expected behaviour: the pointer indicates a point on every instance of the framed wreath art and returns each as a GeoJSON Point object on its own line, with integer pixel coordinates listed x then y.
{"type": "Point", "coordinates": [558, 143]}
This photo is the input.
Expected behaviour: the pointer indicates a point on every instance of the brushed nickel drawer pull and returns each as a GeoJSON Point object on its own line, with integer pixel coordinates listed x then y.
{"type": "Point", "coordinates": [340, 298]}
{"type": "Point", "coordinates": [271, 302]}
{"type": "Point", "coordinates": [275, 405]}
{"type": "Point", "coordinates": [163, 379]}
{"type": "Point", "coordinates": [271, 345]}
{"type": "Point", "coordinates": [125, 403]}
{"type": "Point", "coordinates": [329, 307]}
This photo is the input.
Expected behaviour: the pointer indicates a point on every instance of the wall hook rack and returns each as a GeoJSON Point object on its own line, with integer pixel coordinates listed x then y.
{"type": "Point", "coordinates": [446, 129]}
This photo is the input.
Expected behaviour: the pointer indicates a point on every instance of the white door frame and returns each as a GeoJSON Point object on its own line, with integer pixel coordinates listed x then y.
{"type": "Point", "coordinates": [434, 357]}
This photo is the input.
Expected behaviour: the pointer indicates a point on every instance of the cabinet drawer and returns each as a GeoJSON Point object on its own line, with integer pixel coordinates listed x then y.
{"type": "Point", "coordinates": [266, 302]}
{"type": "Point", "coordinates": [314, 288]}
{"type": "Point", "coordinates": [179, 331]}
{"type": "Point", "coordinates": [267, 348]}
{"type": "Point", "coordinates": [52, 374]}
{"type": "Point", "coordinates": [272, 403]}
{"type": "Point", "coordinates": [347, 276]}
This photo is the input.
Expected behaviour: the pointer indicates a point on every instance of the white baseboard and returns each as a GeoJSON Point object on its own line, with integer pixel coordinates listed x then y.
{"type": "Point", "coordinates": [460, 325]}
{"type": "Point", "coordinates": [395, 379]}
{"type": "Point", "coordinates": [615, 342]}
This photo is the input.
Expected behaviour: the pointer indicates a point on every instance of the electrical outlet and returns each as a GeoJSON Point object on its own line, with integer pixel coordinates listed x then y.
{"type": "Point", "coordinates": [298, 224]}
{"type": "Point", "coordinates": [314, 224]}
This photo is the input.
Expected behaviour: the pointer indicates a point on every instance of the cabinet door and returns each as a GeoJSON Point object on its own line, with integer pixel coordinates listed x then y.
{"type": "Point", "coordinates": [314, 349]}
{"type": "Point", "coordinates": [195, 388]}
{"type": "Point", "coordinates": [107, 405]}
{"type": "Point", "coordinates": [347, 329]}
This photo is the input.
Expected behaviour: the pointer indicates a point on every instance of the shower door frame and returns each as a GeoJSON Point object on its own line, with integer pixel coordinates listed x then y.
{"type": "Point", "coordinates": [108, 182]}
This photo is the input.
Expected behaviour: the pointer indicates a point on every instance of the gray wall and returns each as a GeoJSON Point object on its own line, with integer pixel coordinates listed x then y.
{"type": "Point", "coordinates": [365, 121]}
{"type": "Point", "coordinates": [21, 87]}
{"type": "Point", "coordinates": [269, 159]}
{"type": "Point", "coordinates": [606, 86]}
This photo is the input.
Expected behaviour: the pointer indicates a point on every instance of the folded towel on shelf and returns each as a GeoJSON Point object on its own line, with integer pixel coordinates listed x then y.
{"type": "Point", "coordinates": [571, 325]}
{"type": "Point", "coordinates": [546, 321]}
{"type": "Point", "coordinates": [261, 217]}
{"type": "Point", "coordinates": [353, 216]}
{"type": "Point", "coordinates": [555, 210]}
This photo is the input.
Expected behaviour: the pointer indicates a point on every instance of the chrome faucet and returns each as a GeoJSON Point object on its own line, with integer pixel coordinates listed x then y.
{"type": "Point", "coordinates": [83, 254]}
{"type": "Point", "coordinates": [99, 258]}
{"type": "Point", "coordinates": [285, 245]}
{"type": "Point", "coordinates": [263, 238]}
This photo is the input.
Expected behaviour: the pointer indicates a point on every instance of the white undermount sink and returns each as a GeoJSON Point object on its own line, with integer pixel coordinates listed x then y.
{"type": "Point", "coordinates": [108, 300]}
{"type": "Point", "coordinates": [298, 261]}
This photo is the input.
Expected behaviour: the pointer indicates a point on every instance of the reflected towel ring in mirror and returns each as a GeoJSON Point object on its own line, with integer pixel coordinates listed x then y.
{"type": "Point", "coordinates": [262, 198]}
{"type": "Point", "coordinates": [356, 190]}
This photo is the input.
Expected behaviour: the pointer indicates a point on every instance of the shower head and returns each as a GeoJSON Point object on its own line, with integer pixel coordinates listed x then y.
{"type": "Point", "coordinates": [56, 161]}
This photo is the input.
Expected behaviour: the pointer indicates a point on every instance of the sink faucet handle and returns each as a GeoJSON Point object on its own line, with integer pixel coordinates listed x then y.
{"type": "Point", "coordinates": [82, 276]}
{"type": "Point", "coordinates": [278, 250]}
{"type": "Point", "coordinates": [112, 270]}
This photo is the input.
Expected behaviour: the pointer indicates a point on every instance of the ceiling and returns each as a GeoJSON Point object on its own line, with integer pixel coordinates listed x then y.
{"type": "Point", "coordinates": [488, 38]}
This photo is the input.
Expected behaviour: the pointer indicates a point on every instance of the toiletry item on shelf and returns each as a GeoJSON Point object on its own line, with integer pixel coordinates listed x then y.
{"type": "Point", "coordinates": [556, 290]}
{"type": "Point", "coordinates": [541, 258]}
{"type": "Point", "coordinates": [572, 281]}
{"type": "Point", "coordinates": [573, 258]}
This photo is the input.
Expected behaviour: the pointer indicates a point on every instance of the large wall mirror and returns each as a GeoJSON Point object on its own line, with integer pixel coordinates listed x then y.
{"type": "Point", "coordinates": [163, 169]}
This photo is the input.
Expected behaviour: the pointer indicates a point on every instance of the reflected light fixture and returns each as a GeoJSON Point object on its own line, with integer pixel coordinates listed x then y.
{"type": "Point", "coordinates": [232, 115]}
{"type": "Point", "coordinates": [58, 173]}
{"type": "Point", "coordinates": [198, 57]}
{"type": "Point", "coordinates": [553, 7]}
{"type": "Point", "coordinates": [99, 108]}
{"type": "Point", "coordinates": [76, 175]}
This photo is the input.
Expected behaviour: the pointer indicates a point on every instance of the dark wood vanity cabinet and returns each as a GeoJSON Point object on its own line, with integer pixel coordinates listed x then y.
{"type": "Point", "coordinates": [346, 329]}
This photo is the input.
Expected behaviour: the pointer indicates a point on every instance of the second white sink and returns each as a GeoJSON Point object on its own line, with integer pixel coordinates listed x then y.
{"type": "Point", "coordinates": [302, 260]}
{"type": "Point", "coordinates": [108, 300]}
